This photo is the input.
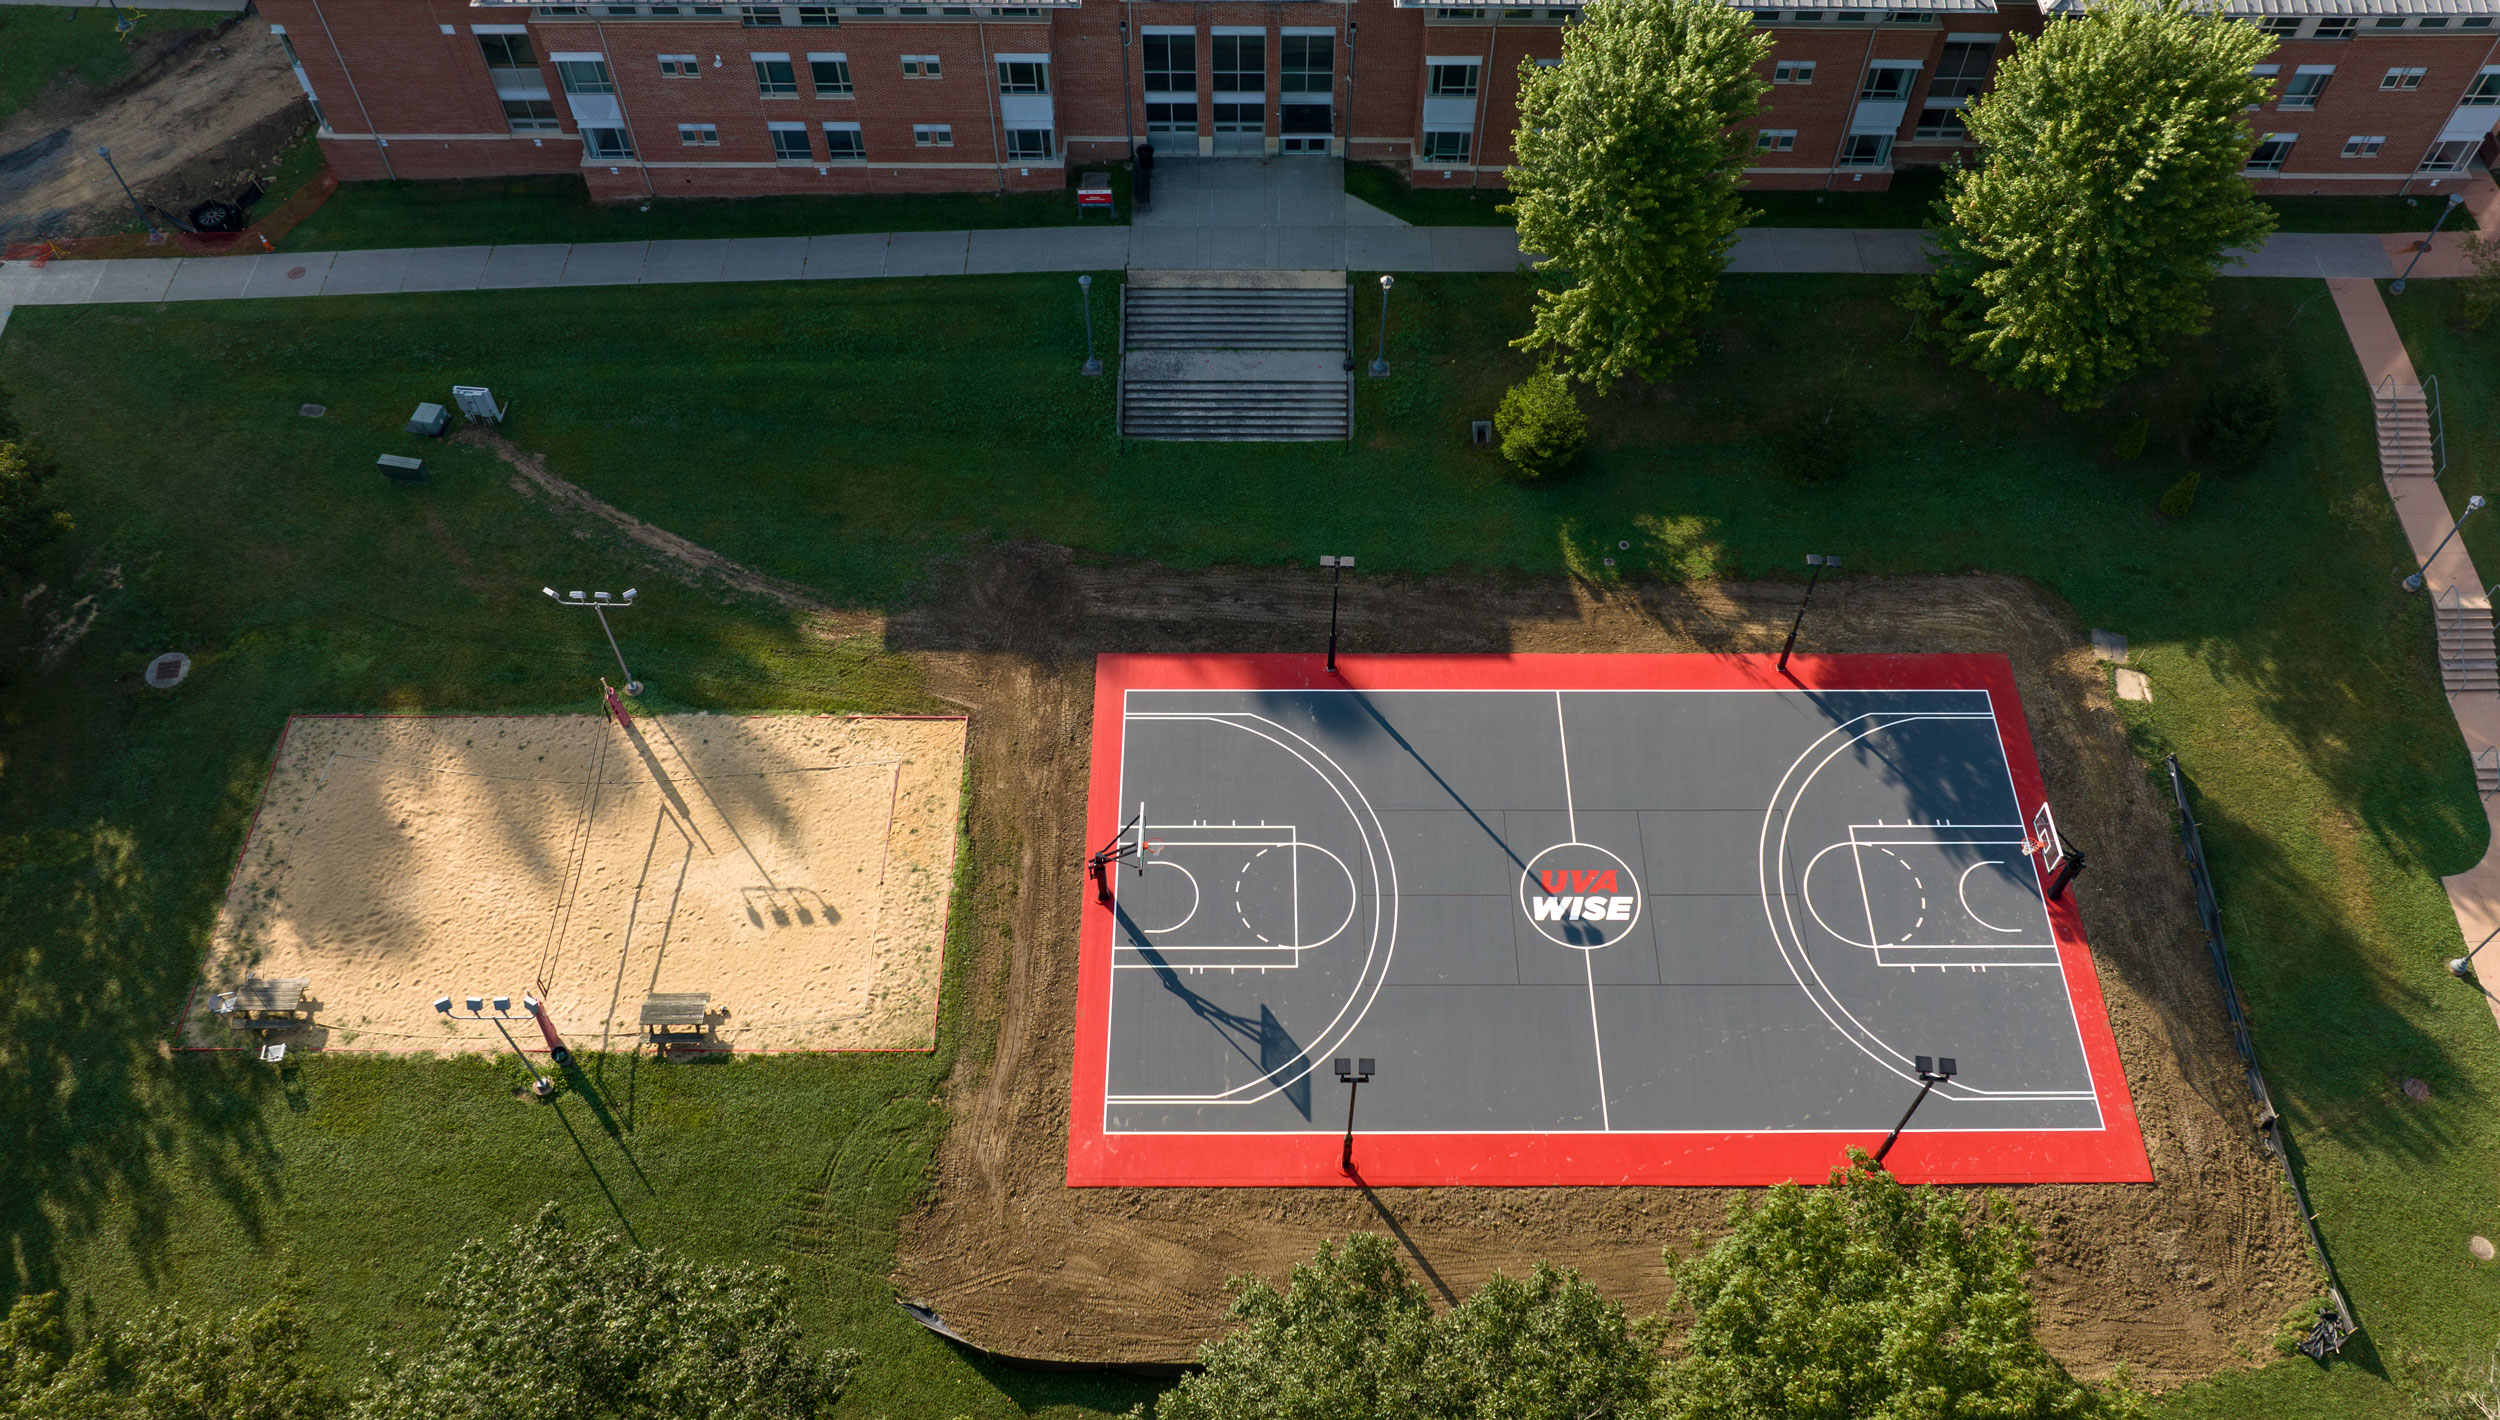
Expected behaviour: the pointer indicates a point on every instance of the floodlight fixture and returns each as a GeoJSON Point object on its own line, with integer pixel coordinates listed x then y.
{"type": "Point", "coordinates": [551, 594]}
{"type": "Point", "coordinates": [477, 1005]}
{"type": "Point", "coordinates": [443, 1004]}
{"type": "Point", "coordinates": [503, 1005]}
{"type": "Point", "coordinates": [600, 604]}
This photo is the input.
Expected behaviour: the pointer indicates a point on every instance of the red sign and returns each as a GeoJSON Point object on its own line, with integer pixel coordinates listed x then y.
{"type": "Point", "coordinates": [1093, 197]}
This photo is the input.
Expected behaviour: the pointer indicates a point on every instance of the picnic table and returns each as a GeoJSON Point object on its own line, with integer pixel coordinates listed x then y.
{"type": "Point", "coordinates": [664, 1012]}
{"type": "Point", "coordinates": [265, 1005]}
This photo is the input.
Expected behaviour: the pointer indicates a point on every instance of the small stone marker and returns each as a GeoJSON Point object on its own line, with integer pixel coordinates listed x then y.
{"type": "Point", "coordinates": [2480, 1246]}
{"type": "Point", "coordinates": [167, 671]}
{"type": "Point", "coordinates": [2109, 646]}
{"type": "Point", "coordinates": [312, 411]}
{"type": "Point", "coordinates": [401, 467]}
{"type": "Point", "coordinates": [2416, 1089]}
{"type": "Point", "coordinates": [2133, 686]}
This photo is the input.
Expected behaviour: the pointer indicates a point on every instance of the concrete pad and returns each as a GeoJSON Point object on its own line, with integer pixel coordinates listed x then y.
{"type": "Point", "coordinates": [1310, 248]}
{"type": "Point", "coordinates": [685, 261]}
{"type": "Point", "coordinates": [927, 253]}
{"type": "Point", "coordinates": [765, 259]}
{"type": "Point", "coordinates": [65, 283]}
{"type": "Point", "coordinates": [212, 278]}
{"type": "Point", "coordinates": [285, 275]}
{"type": "Point", "coordinates": [1388, 248]}
{"type": "Point", "coordinates": [367, 273]}
{"type": "Point", "coordinates": [2133, 686]}
{"type": "Point", "coordinates": [146, 279]}
{"type": "Point", "coordinates": [519, 267]}
{"type": "Point", "coordinates": [1358, 213]}
{"type": "Point", "coordinates": [604, 264]}
{"type": "Point", "coordinates": [1249, 248]}
{"type": "Point", "coordinates": [444, 268]}
{"type": "Point", "coordinates": [1309, 209]}
{"type": "Point", "coordinates": [845, 258]}
{"type": "Point", "coordinates": [1893, 253]}
{"type": "Point", "coordinates": [1237, 209]}
{"type": "Point", "coordinates": [1164, 248]}
{"type": "Point", "coordinates": [2109, 646]}
{"type": "Point", "coordinates": [1473, 248]}
{"type": "Point", "coordinates": [1047, 249]}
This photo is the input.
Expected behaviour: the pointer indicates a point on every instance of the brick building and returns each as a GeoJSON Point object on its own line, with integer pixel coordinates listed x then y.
{"type": "Point", "coordinates": [730, 99]}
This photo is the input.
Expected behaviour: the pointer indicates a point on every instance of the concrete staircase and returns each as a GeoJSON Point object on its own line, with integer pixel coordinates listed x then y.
{"type": "Point", "coordinates": [2467, 661]}
{"type": "Point", "coordinates": [2405, 445]}
{"type": "Point", "coordinates": [1237, 356]}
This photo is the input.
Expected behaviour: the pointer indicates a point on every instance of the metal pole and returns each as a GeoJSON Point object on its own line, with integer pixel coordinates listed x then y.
{"type": "Point", "coordinates": [1345, 1161]}
{"type": "Point", "coordinates": [2473, 505]}
{"type": "Point", "coordinates": [632, 686]}
{"type": "Point", "coordinates": [2455, 200]}
{"type": "Point", "coordinates": [1085, 298]}
{"type": "Point", "coordinates": [1925, 1084]}
{"type": "Point", "coordinates": [1380, 360]}
{"type": "Point", "coordinates": [1333, 579]}
{"type": "Point", "coordinates": [539, 1083]}
{"type": "Point", "coordinates": [107, 155]}
{"type": "Point", "coordinates": [2463, 967]}
{"type": "Point", "coordinates": [1813, 575]}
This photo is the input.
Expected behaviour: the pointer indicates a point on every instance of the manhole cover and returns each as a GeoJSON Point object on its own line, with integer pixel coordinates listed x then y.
{"type": "Point", "coordinates": [295, 273]}
{"type": "Point", "coordinates": [312, 411]}
{"type": "Point", "coordinates": [167, 671]}
{"type": "Point", "coordinates": [2480, 1246]}
{"type": "Point", "coordinates": [2415, 1088]}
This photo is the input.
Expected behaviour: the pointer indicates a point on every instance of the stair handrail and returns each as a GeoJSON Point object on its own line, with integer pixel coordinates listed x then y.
{"type": "Point", "coordinates": [2448, 598]}
{"type": "Point", "coordinates": [2439, 426]}
{"type": "Point", "coordinates": [2488, 755]}
{"type": "Point", "coordinates": [1119, 378]}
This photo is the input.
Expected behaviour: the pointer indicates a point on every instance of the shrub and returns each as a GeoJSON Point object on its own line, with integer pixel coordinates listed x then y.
{"type": "Point", "coordinates": [1540, 425]}
{"type": "Point", "coordinates": [2180, 496]}
{"type": "Point", "coordinates": [1820, 445]}
{"type": "Point", "coordinates": [2130, 445]}
{"type": "Point", "coordinates": [2238, 419]}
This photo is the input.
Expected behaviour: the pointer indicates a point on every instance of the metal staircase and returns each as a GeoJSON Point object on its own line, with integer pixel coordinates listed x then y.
{"type": "Point", "coordinates": [1250, 356]}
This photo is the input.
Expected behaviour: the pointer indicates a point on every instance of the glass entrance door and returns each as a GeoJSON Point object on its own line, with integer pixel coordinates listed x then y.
{"type": "Point", "coordinates": [1306, 83]}
{"type": "Point", "coordinates": [1240, 74]}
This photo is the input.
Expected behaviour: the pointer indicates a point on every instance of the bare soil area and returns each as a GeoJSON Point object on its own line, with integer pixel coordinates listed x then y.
{"type": "Point", "coordinates": [2173, 1280]}
{"type": "Point", "coordinates": [794, 868]}
{"type": "Point", "coordinates": [207, 114]}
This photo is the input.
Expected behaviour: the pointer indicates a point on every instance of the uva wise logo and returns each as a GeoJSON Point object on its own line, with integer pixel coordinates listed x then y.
{"type": "Point", "coordinates": [1581, 895]}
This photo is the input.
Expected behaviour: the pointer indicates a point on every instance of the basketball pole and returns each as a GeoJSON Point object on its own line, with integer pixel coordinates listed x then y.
{"type": "Point", "coordinates": [1931, 1073]}
{"type": "Point", "coordinates": [1339, 564]}
{"type": "Point", "coordinates": [1355, 1073]}
{"type": "Point", "coordinates": [1815, 563]}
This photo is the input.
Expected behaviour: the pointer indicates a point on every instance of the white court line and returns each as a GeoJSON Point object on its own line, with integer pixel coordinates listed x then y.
{"type": "Point", "coordinates": [1588, 963]}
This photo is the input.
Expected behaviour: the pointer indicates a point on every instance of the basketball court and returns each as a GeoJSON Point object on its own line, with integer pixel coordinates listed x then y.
{"type": "Point", "coordinates": [1592, 920]}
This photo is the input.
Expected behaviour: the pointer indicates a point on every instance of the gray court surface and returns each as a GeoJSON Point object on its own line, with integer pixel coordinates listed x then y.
{"type": "Point", "coordinates": [1548, 912]}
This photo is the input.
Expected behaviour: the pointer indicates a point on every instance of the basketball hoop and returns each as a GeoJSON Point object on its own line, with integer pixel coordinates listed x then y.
{"type": "Point", "coordinates": [1154, 847]}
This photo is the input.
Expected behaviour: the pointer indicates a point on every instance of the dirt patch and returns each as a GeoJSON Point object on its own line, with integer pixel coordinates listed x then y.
{"type": "Point", "coordinates": [2174, 1280]}
{"type": "Point", "coordinates": [795, 868]}
{"type": "Point", "coordinates": [207, 114]}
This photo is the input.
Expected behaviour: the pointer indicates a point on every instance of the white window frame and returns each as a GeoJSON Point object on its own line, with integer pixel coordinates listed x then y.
{"type": "Point", "coordinates": [1793, 71]}
{"type": "Point", "coordinates": [2364, 145]}
{"type": "Point", "coordinates": [816, 83]}
{"type": "Point", "coordinates": [1463, 140]}
{"type": "Point", "coordinates": [698, 135]}
{"type": "Point", "coordinates": [860, 143]}
{"type": "Point", "coordinates": [806, 153]}
{"type": "Point", "coordinates": [2484, 92]}
{"type": "Point", "coordinates": [923, 66]}
{"type": "Point", "coordinates": [2403, 80]}
{"type": "Point", "coordinates": [1775, 140]}
{"type": "Point", "coordinates": [2266, 140]}
{"type": "Point", "coordinates": [1046, 149]}
{"type": "Point", "coordinates": [2307, 98]}
{"type": "Point", "coordinates": [933, 135]}
{"type": "Point", "coordinates": [680, 66]}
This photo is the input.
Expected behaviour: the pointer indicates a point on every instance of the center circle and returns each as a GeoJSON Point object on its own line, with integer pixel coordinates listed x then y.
{"type": "Point", "coordinates": [1580, 895]}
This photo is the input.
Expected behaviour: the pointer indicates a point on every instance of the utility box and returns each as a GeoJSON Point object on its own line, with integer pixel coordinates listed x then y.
{"type": "Point", "coordinates": [431, 420]}
{"type": "Point", "coordinates": [400, 468]}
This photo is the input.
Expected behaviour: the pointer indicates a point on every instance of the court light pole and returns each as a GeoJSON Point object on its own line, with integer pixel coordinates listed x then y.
{"type": "Point", "coordinates": [1380, 359]}
{"type": "Point", "coordinates": [1085, 298]}
{"type": "Point", "coordinates": [2455, 201]}
{"type": "Point", "coordinates": [1356, 1074]}
{"type": "Point", "coordinates": [540, 1085]}
{"type": "Point", "coordinates": [2473, 505]}
{"type": "Point", "coordinates": [1815, 563]}
{"type": "Point", "coordinates": [1339, 564]}
{"type": "Point", "coordinates": [1931, 1073]}
{"type": "Point", "coordinates": [600, 604]}
{"type": "Point", "coordinates": [107, 155]}
{"type": "Point", "coordinates": [2462, 967]}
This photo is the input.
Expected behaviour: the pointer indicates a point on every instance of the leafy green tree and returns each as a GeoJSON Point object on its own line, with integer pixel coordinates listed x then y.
{"type": "Point", "coordinates": [1354, 1338]}
{"type": "Point", "coordinates": [1867, 1300]}
{"type": "Point", "coordinates": [2113, 144]}
{"type": "Point", "coordinates": [162, 1366]}
{"type": "Point", "coordinates": [554, 1325]}
{"type": "Point", "coordinates": [1630, 153]}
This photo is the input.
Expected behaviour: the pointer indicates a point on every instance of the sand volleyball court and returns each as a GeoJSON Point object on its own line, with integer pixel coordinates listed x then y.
{"type": "Point", "coordinates": [795, 868]}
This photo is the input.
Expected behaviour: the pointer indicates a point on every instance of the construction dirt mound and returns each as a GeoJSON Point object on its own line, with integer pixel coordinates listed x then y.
{"type": "Point", "coordinates": [206, 114]}
{"type": "Point", "coordinates": [2173, 1280]}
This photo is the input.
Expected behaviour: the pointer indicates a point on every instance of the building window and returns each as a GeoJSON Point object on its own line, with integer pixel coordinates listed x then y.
{"type": "Point", "coordinates": [1023, 76]}
{"type": "Point", "coordinates": [2484, 92]}
{"type": "Point", "coordinates": [2432, 22]}
{"type": "Point", "coordinates": [1942, 122]}
{"type": "Point", "coordinates": [1172, 64]}
{"type": "Point", "coordinates": [933, 135]}
{"type": "Point", "coordinates": [531, 115]}
{"type": "Point", "coordinates": [679, 66]}
{"type": "Point", "coordinates": [1458, 14]}
{"type": "Point", "coordinates": [1240, 64]}
{"type": "Point", "coordinates": [2474, 22]}
{"type": "Point", "coordinates": [2280, 26]}
{"type": "Point", "coordinates": [920, 66]}
{"type": "Point", "coordinates": [818, 15]}
{"type": "Point", "coordinates": [502, 52]}
{"type": "Point", "coordinates": [1447, 145]}
{"type": "Point", "coordinates": [1794, 72]}
{"type": "Point", "coordinates": [843, 143]}
{"type": "Point", "coordinates": [2388, 22]}
{"type": "Point", "coordinates": [1887, 82]}
{"type": "Point", "coordinates": [2361, 147]}
{"type": "Point", "coordinates": [2271, 151]}
{"type": "Point", "coordinates": [762, 17]}
{"type": "Point", "coordinates": [2335, 27]}
{"type": "Point", "coordinates": [1240, 118]}
{"type": "Point", "coordinates": [1963, 69]}
{"type": "Point", "coordinates": [607, 143]}
{"type": "Point", "coordinates": [1808, 17]}
{"type": "Point", "coordinates": [774, 77]}
{"type": "Point", "coordinates": [1865, 150]}
{"type": "Point", "coordinates": [1023, 143]}
{"type": "Point", "coordinates": [1017, 12]}
{"type": "Point", "coordinates": [616, 10]}
{"type": "Point", "coordinates": [1775, 140]}
{"type": "Point", "coordinates": [1451, 81]}
{"type": "Point", "coordinates": [2403, 79]}
{"type": "Point", "coordinates": [790, 143]}
{"type": "Point", "coordinates": [2304, 87]}
{"type": "Point", "coordinates": [830, 74]}
{"type": "Point", "coordinates": [698, 135]}
{"type": "Point", "coordinates": [2447, 157]}
{"type": "Point", "coordinates": [1172, 118]}
{"type": "Point", "coordinates": [585, 76]}
{"type": "Point", "coordinates": [1309, 65]}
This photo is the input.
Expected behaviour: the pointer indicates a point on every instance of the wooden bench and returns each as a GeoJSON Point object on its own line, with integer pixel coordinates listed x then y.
{"type": "Point", "coordinates": [265, 1005]}
{"type": "Point", "coordinates": [663, 1013]}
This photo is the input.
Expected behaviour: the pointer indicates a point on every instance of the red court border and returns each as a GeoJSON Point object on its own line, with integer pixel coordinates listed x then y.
{"type": "Point", "coordinates": [2112, 1154]}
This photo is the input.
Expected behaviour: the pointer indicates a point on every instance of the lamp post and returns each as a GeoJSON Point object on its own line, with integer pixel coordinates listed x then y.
{"type": "Point", "coordinates": [1338, 564]}
{"type": "Point", "coordinates": [2473, 505]}
{"type": "Point", "coordinates": [107, 155]}
{"type": "Point", "coordinates": [600, 604]}
{"type": "Point", "coordinates": [1355, 1074]}
{"type": "Point", "coordinates": [1815, 563]}
{"type": "Point", "coordinates": [1931, 1073]}
{"type": "Point", "coordinates": [1380, 359]}
{"type": "Point", "coordinates": [1085, 298]}
{"type": "Point", "coordinates": [2455, 201]}
{"type": "Point", "coordinates": [540, 1085]}
{"type": "Point", "coordinates": [2462, 968]}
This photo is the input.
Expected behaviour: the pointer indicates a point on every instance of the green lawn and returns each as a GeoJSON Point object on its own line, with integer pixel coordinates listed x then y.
{"type": "Point", "coordinates": [40, 42]}
{"type": "Point", "coordinates": [854, 438]}
{"type": "Point", "coordinates": [499, 211]}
